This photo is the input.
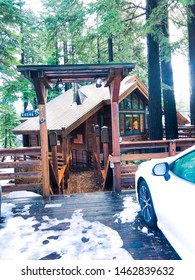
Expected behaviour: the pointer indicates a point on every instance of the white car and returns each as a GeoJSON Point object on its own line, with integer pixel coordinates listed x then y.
{"type": "Point", "coordinates": [165, 189]}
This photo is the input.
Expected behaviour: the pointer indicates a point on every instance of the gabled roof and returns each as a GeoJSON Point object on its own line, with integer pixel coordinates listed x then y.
{"type": "Point", "coordinates": [183, 117]}
{"type": "Point", "coordinates": [61, 112]}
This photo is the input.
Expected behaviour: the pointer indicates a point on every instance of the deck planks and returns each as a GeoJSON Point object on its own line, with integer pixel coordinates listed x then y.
{"type": "Point", "coordinates": [102, 206]}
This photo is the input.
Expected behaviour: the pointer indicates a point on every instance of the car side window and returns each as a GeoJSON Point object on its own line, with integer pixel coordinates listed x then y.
{"type": "Point", "coordinates": [184, 167]}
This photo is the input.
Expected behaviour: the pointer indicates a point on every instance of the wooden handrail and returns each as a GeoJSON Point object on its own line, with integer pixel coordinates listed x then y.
{"type": "Point", "coordinates": [63, 169]}
{"type": "Point", "coordinates": [97, 164]}
{"type": "Point", "coordinates": [23, 165]}
{"type": "Point", "coordinates": [20, 151]}
{"type": "Point", "coordinates": [148, 150]}
{"type": "Point", "coordinates": [156, 149]}
{"type": "Point", "coordinates": [106, 172]}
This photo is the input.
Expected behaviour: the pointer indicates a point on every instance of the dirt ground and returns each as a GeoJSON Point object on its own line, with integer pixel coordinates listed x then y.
{"type": "Point", "coordinates": [82, 182]}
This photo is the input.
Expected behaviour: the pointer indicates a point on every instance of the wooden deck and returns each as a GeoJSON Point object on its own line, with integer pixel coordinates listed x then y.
{"type": "Point", "coordinates": [101, 206]}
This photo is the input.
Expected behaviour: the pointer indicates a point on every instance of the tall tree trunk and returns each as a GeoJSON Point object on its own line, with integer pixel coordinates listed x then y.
{"type": "Point", "coordinates": [191, 40]}
{"type": "Point", "coordinates": [98, 49]}
{"type": "Point", "coordinates": [65, 50]}
{"type": "Point", "coordinates": [56, 48]}
{"type": "Point", "coordinates": [168, 84]}
{"type": "Point", "coordinates": [154, 82]}
{"type": "Point", "coordinates": [110, 49]}
{"type": "Point", "coordinates": [22, 60]}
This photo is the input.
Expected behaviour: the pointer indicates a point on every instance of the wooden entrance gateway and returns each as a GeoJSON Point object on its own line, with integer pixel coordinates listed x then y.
{"type": "Point", "coordinates": [44, 76]}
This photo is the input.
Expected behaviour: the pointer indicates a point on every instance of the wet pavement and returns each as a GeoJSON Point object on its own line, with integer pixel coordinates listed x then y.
{"type": "Point", "coordinates": [99, 206]}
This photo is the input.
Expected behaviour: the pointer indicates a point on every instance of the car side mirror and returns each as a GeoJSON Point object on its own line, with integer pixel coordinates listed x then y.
{"type": "Point", "coordinates": [162, 169]}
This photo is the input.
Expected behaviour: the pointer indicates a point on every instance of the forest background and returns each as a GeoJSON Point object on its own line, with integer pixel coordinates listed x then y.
{"type": "Point", "coordinates": [76, 31]}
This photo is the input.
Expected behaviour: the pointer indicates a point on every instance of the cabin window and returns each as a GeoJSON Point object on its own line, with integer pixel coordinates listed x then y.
{"type": "Point", "coordinates": [132, 102]}
{"type": "Point", "coordinates": [131, 123]}
{"type": "Point", "coordinates": [131, 115]}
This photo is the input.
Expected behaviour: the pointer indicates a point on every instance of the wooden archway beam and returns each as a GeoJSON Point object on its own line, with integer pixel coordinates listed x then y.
{"type": "Point", "coordinates": [41, 97]}
{"type": "Point", "coordinates": [114, 94]}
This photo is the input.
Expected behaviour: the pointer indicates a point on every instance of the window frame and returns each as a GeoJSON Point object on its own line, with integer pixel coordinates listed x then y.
{"type": "Point", "coordinates": [130, 101]}
{"type": "Point", "coordinates": [133, 115]}
{"type": "Point", "coordinates": [127, 108]}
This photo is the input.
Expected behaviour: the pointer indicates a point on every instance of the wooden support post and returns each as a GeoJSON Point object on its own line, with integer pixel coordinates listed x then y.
{"type": "Point", "coordinates": [97, 135]}
{"type": "Point", "coordinates": [93, 143]}
{"type": "Point", "coordinates": [114, 92]}
{"type": "Point", "coordinates": [44, 149]}
{"type": "Point", "coordinates": [105, 141]}
{"type": "Point", "coordinates": [172, 148]}
{"type": "Point", "coordinates": [41, 97]}
{"type": "Point", "coordinates": [53, 144]}
{"type": "Point", "coordinates": [64, 144]}
{"type": "Point", "coordinates": [65, 152]}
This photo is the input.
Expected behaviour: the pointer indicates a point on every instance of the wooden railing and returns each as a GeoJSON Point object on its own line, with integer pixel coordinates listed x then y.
{"type": "Point", "coordinates": [133, 153]}
{"type": "Point", "coordinates": [186, 131]}
{"type": "Point", "coordinates": [20, 168]}
{"type": "Point", "coordinates": [59, 172]}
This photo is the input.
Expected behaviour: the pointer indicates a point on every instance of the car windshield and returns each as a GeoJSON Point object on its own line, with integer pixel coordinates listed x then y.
{"type": "Point", "coordinates": [184, 167]}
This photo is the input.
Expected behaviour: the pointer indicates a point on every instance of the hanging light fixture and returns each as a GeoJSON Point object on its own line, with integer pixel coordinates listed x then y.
{"type": "Point", "coordinates": [99, 82]}
{"type": "Point", "coordinates": [59, 86]}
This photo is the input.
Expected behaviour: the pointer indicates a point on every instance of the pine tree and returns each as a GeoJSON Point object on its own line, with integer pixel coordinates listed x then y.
{"type": "Point", "coordinates": [191, 40]}
{"type": "Point", "coordinates": [154, 79]}
{"type": "Point", "coordinates": [167, 77]}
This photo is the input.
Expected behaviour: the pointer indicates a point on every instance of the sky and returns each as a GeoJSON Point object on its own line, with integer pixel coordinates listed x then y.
{"type": "Point", "coordinates": [179, 63]}
{"type": "Point", "coordinates": [80, 240]}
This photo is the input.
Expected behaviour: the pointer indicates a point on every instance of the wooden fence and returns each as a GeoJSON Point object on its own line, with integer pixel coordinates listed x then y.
{"type": "Point", "coordinates": [21, 169]}
{"type": "Point", "coordinates": [133, 153]}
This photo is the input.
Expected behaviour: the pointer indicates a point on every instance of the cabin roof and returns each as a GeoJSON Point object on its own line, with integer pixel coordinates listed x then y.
{"type": "Point", "coordinates": [62, 113]}
{"type": "Point", "coordinates": [183, 117]}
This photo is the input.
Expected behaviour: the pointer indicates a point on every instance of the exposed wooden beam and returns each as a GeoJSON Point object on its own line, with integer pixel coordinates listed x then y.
{"type": "Point", "coordinates": [40, 91]}
{"type": "Point", "coordinates": [115, 85]}
{"type": "Point", "coordinates": [114, 93]}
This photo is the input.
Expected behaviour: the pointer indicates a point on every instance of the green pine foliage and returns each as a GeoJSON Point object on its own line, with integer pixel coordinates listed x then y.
{"type": "Point", "coordinates": [75, 31]}
{"type": "Point", "coordinates": [8, 120]}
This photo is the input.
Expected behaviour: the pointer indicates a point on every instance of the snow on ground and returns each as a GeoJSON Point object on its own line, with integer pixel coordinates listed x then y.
{"type": "Point", "coordinates": [129, 213]}
{"type": "Point", "coordinates": [77, 239]}
{"type": "Point", "coordinates": [16, 194]}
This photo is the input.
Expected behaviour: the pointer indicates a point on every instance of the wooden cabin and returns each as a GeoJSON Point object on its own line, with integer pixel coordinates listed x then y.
{"type": "Point", "coordinates": [70, 124]}
{"type": "Point", "coordinates": [64, 113]}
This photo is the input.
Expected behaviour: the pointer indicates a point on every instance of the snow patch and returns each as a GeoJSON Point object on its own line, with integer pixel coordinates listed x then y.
{"type": "Point", "coordinates": [129, 212]}
{"type": "Point", "coordinates": [17, 194]}
{"type": "Point", "coordinates": [70, 239]}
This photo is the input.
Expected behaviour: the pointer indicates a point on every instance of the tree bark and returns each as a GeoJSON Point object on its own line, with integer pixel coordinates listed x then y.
{"type": "Point", "coordinates": [191, 40]}
{"type": "Point", "coordinates": [154, 82]}
{"type": "Point", "coordinates": [168, 84]}
{"type": "Point", "coordinates": [110, 49]}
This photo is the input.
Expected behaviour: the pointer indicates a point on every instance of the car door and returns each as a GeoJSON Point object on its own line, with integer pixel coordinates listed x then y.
{"type": "Point", "coordinates": [178, 193]}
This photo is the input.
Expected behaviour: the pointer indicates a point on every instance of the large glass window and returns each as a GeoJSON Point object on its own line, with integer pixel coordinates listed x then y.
{"type": "Point", "coordinates": [131, 123]}
{"type": "Point", "coordinates": [132, 115]}
{"type": "Point", "coordinates": [131, 102]}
